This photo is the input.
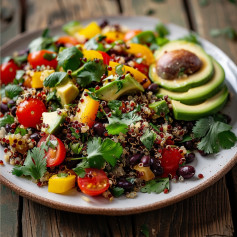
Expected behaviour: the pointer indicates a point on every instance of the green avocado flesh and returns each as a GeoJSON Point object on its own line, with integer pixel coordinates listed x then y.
{"type": "Point", "coordinates": [193, 112]}
{"type": "Point", "coordinates": [198, 94]}
{"type": "Point", "coordinates": [111, 91]}
{"type": "Point", "coordinates": [200, 77]}
{"type": "Point", "coordinates": [160, 107]}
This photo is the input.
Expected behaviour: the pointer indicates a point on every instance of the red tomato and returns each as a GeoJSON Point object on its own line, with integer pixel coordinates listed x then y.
{"type": "Point", "coordinates": [8, 72]}
{"type": "Point", "coordinates": [55, 156]}
{"type": "Point", "coordinates": [106, 57]}
{"type": "Point", "coordinates": [67, 41]}
{"type": "Point", "coordinates": [94, 183]}
{"type": "Point", "coordinates": [29, 112]}
{"type": "Point", "coordinates": [143, 68]}
{"type": "Point", "coordinates": [130, 34]}
{"type": "Point", "coordinates": [170, 161]}
{"type": "Point", "coordinates": [39, 58]}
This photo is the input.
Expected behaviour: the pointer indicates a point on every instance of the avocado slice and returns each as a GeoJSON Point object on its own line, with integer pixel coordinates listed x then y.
{"type": "Point", "coordinates": [53, 120]}
{"type": "Point", "coordinates": [208, 107]}
{"type": "Point", "coordinates": [111, 90]}
{"type": "Point", "coordinates": [200, 77]}
{"type": "Point", "coordinates": [198, 94]}
{"type": "Point", "coordinates": [160, 107]}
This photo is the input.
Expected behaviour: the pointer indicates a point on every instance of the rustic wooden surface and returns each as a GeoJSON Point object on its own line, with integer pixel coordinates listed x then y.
{"type": "Point", "coordinates": [209, 213]}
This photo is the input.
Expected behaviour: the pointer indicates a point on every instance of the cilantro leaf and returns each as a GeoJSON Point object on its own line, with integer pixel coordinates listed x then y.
{"type": "Point", "coordinates": [12, 91]}
{"type": "Point", "coordinates": [41, 43]}
{"type": "Point", "coordinates": [117, 191]}
{"type": "Point", "coordinates": [51, 96]}
{"type": "Point", "coordinates": [202, 126]}
{"type": "Point", "coordinates": [161, 30]}
{"type": "Point", "coordinates": [55, 79]}
{"type": "Point", "coordinates": [94, 43]}
{"type": "Point", "coordinates": [148, 138]}
{"type": "Point", "coordinates": [50, 56]}
{"type": "Point", "coordinates": [116, 128]}
{"type": "Point", "coordinates": [192, 37]}
{"type": "Point", "coordinates": [80, 169]}
{"type": "Point", "coordinates": [156, 186]}
{"type": "Point", "coordinates": [76, 148]}
{"type": "Point", "coordinates": [227, 139]}
{"type": "Point", "coordinates": [22, 131]}
{"type": "Point", "coordinates": [89, 72]}
{"type": "Point", "coordinates": [7, 119]}
{"type": "Point", "coordinates": [69, 58]}
{"type": "Point", "coordinates": [61, 175]}
{"type": "Point", "coordinates": [156, 128]}
{"type": "Point", "coordinates": [114, 104]}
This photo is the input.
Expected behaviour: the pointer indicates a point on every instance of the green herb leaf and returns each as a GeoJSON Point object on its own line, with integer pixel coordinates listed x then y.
{"type": "Point", "coordinates": [7, 119]}
{"type": "Point", "coordinates": [186, 138]}
{"type": "Point", "coordinates": [71, 27]}
{"type": "Point", "coordinates": [19, 74]}
{"type": "Point", "coordinates": [92, 94]}
{"type": "Point", "coordinates": [12, 91]}
{"type": "Point", "coordinates": [55, 79]}
{"type": "Point", "coordinates": [156, 128]}
{"type": "Point", "coordinates": [192, 37]}
{"type": "Point", "coordinates": [120, 69]}
{"type": "Point", "coordinates": [94, 44]}
{"type": "Point", "coordinates": [20, 59]}
{"type": "Point", "coordinates": [41, 43]}
{"type": "Point", "coordinates": [148, 139]}
{"type": "Point", "coordinates": [161, 30]}
{"type": "Point", "coordinates": [156, 186]}
{"type": "Point", "coordinates": [227, 139]}
{"type": "Point", "coordinates": [145, 37]}
{"type": "Point", "coordinates": [76, 148]}
{"type": "Point", "coordinates": [117, 191]}
{"type": "Point", "coordinates": [62, 175]}
{"type": "Point", "coordinates": [80, 169]}
{"type": "Point", "coordinates": [69, 58]}
{"type": "Point", "coordinates": [22, 131]}
{"type": "Point", "coordinates": [51, 96]}
{"type": "Point", "coordinates": [145, 230]}
{"type": "Point", "coordinates": [45, 33]}
{"type": "Point", "coordinates": [50, 56]}
{"type": "Point", "coordinates": [114, 104]}
{"type": "Point", "coordinates": [76, 135]}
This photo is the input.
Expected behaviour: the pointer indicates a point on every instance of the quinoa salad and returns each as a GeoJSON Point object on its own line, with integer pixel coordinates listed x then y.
{"type": "Point", "coordinates": [111, 111]}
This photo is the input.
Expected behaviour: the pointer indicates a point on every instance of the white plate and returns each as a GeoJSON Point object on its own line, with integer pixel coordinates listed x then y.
{"type": "Point", "coordinates": [212, 167]}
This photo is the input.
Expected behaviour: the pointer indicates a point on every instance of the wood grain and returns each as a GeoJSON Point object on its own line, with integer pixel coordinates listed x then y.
{"type": "Point", "coordinates": [217, 14]}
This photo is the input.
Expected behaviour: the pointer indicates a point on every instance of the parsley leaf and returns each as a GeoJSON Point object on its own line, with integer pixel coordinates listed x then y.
{"type": "Point", "coordinates": [156, 186]}
{"type": "Point", "coordinates": [55, 79]}
{"type": "Point", "coordinates": [89, 72]}
{"type": "Point", "coordinates": [148, 138]}
{"type": "Point", "coordinates": [34, 165]}
{"type": "Point", "coordinates": [69, 58]}
{"type": "Point", "coordinates": [12, 91]}
{"type": "Point", "coordinates": [7, 119]}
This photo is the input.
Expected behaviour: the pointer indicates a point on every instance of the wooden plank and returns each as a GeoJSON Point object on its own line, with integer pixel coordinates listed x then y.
{"type": "Point", "coordinates": [10, 20]}
{"type": "Point", "coordinates": [41, 14]}
{"type": "Point", "coordinates": [9, 207]}
{"type": "Point", "coordinates": [166, 11]}
{"type": "Point", "coordinates": [217, 14]}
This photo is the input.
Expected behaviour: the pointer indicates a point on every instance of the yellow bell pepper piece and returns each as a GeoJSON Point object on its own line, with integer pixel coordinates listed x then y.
{"type": "Point", "coordinates": [87, 110]}
{"type": "Point", "coordinates": [92, 54]}
{"type": "Point", "coordinates": [61, 184]}
{"type": "Point", "coordinates": [90, 30]}
{"type": "Point", "coordinates": [138, 76]}
{"type": "Point", "coordinates": [113, 35]}
{"type": "Point", "coordinates": [146, 172]}
{"type": "Point", "coordinates": [36, 82]}
{"type": "Point", "coordinates": [143, 51]}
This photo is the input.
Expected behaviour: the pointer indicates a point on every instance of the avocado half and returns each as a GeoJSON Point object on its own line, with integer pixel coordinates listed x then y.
{"type": "Point", "coordinates": [193, 112]}
{"type": "Point", "coordinates": [184, 83]}
{"type": "Point", "coordinates": [198, 94]}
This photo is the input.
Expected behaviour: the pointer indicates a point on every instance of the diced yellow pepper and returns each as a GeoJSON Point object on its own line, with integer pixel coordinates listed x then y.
{"type": "Point", "coordinates": [61, 184]}
{"type": "Point", "coordinates": [92, 54]}
{"type": "Point", "coordinates": [138, 76]}
{"type": "Point", "coordinates": [113, 36]}
{"type": "Point", "coordinates": [87, 110]}
{"type": "Point", "coordinates": [45, 74]}
{"type": "Point", "coordinates": [143, 51]}
{"type": "Point", "coordinates": [146, 172]}
{"type": "Point", "coordinates": [90, 30]}
{"type": "Point", "coordinates": [36, 82]}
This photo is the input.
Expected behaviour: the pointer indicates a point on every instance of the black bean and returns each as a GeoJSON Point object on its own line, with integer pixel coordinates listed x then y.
{"type": "Point", "coordinates": [146, 160]}
{"type": "Point", "coordinates": [154, 163]}
{"type": "Point", "coordinates": [107, 110]}
{"type": "Point", "coordinates": [8, 128]}
{"type": "Point", "coordinates": [123, 183]}
{"type": "Point", "coordinates": [4, 108]}
{"type": "Point", "coordinates": [99, 129]}
{"type": "Point", "coordinates": [11, 103]}
{"type": "Point", "coordinates": [135, 159]}
{"type": "Point", "coordinates": [158, 171]}
{"type": "Point", "coordinates": [186, 171]}
{"type": "Point", "coordinates": [104, 23]}
{"type": "Point", "coordinates": [189, 157]}
{"type": "Point", "coordinates": [153, 87]}
{"type": "Point", "coordinates": [13, 111]}
{"type": "Point", "coordinates": [35, 136]}
{"type": "Point", "coordinates": [189, 145]}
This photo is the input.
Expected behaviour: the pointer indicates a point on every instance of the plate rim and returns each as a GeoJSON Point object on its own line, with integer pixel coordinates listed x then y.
{"type": "Point", "coordinates": [112, 211]}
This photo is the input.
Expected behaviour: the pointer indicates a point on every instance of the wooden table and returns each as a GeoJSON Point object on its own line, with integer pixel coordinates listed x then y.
{"type": "Point", "coordinates": [210, 213]}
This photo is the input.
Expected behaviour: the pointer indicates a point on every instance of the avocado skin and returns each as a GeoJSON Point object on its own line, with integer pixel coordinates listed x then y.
{"type": "Point", "coordinates": [198, 94]}
{"type": "Point", "coordinates": [195, 112]}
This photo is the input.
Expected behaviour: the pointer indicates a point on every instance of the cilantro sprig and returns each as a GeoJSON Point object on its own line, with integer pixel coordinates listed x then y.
{"type": "Point", "coordinates": [156, 186]}
{"type": "Point", "coordinates": [148, 138]}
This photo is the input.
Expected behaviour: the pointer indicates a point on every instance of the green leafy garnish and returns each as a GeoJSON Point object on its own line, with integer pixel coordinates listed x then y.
{"type": "Point", "coordinates": [70, 58]}
{"type": "Point", "coordinates": [117, 191]}
{"type": "Point", "coordinates": [50, 56]}
{"type": "Point", "coordinates": [76, 148]}
{"type": "Point", "coordinates": [55, 79]}
{"type": "Point", "coordinates": [156, 128]}
{"type": "Point", "coordinates": [145, 37]}
{"type": "Point", "coordinates": [51, 96]}
{"type": "Point", "coordinates": [62, 175]}
{"type": "Point", "coordinates": [229, 32]}
{"type": "Point", "coordinates": [148, 138]}
{"type": "Point", "coordinates": [7, 119]}
{"type": "Point", "coordinates": [34, 165]}
{"type": "Point", "coordinates": [192, 37]}
{"type": "Point", "coordinates": [114, 104]}
{"type": "Point", "coordinates": [94, 43]}
{"type": "Point", "coordinates": [214, 135]}
{"type": "Point", "coordinates": [71, 27]}
{"type": "Point", "coordinates": [22, 131]}
{"type": "Point", "coordinates": [161, 30]}
{"type": "Point", "coordinates": [156, 186]}
{"type": "Point", "coordinates": [76, 135]}
{"type": "Point", "coordinates": [12, 91]}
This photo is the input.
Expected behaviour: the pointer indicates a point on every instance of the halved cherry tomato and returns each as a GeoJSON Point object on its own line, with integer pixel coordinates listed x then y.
{"type": "Point", "coordinates": [106, 57]}
{"type": "Point", "coordinates": [94, 183]}
{"type": "Point", "coordinates": [170, 161]}
{"type": "Point", "coordinates": [143, 68]}
{"type": "Point", "coordinates": [67, 41]}
{"type": "Point", "coordinates": [8, 72]}
{"type": "Point", "coordinates": [42, 57]}
{"type": "Point", "coordinates": [55, 156]}
{"type": "Point", "coordinates": [130, 34]}
{"type": "Point", "coordinates": [29, 112]}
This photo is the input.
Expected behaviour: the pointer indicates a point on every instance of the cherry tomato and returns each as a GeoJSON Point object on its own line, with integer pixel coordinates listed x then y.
{"type": "Point", "coordinates": [55, 156]}
{"type": "Point", "coordinates": [42, 57]}
{"type": "Point", "coordinates": [143, 68]}
{"type": "Point", "coordinates": [8, 72]}
{"type": "Point", "coordinates": [106, 57]}
{"type": "Point", "coordinates": [29, 112]}
{"type": "Point", "coordinates": [170, 161]}
{"type": "Point", "coordinates": [67, 41]}
{"type": "Point", "coordinates": [94, 183]}
{"type": "Point", "coordinates": [130, 34]}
